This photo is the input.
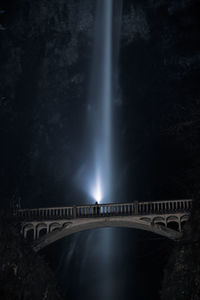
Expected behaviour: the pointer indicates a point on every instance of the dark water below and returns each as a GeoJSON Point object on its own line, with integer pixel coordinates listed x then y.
{"type": "Point", "coordinates": [110, 264]}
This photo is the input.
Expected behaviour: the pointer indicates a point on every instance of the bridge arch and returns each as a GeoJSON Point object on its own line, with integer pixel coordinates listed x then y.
{"type": "Point", "coordinates": [78, 225]}
{"type": "Point", "coordinates": [172, 219]}
{"type": "Point", "coordinates": [27, 228]}
{"type": "Point", "coordinates": [41, 229]}
{"type": "Point", "coordinates": [184, 218]}
{"type": "Point", "coordinates": [54, 226]}
{"type": "Point", "coordinates": [159, 221]}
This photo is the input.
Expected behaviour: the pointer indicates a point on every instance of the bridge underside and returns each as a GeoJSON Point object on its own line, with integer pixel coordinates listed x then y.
{"type": "Point", "coordinates": [63, 228]}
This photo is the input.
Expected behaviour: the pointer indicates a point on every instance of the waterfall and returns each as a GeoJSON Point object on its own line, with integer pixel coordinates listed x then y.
{"type": "Point", "coordinates": [96, 175]}
{"type": "Point", "coordinates": [105, 59]}
{"type": "Point", "coordinates": [101, 103]}
{"type": "Point", "coordinates": [103, 89]}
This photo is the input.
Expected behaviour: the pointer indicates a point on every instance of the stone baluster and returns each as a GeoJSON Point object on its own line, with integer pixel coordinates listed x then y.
{"type": "Point", "coordinates": [136, 208]}
{"type": "Point", "coordinates": [156, 207]}
{"type": "Point", "coordinates": [103, 210]}
{"type": "Point", "coordinates": [131, 207]}
{"type": "Point", "coordinates": [163, 206]}
{"type": "Point", "coordinates": [74, 211]}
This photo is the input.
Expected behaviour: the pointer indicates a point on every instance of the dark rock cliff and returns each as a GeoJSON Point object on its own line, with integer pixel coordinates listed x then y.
{"type": "Point", "coordinates": [23, 274]}
{"type": "Point", "coordinates": [45, 54]}
{"type": "Point", "coordinates": [182, 273]}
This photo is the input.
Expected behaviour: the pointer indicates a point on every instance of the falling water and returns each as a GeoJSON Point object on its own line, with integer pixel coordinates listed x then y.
{"type": "Point", "coordinates": [93, 263]}
{"type": "Point", "coordinates": [101, 97]}
{"type": "Point", "coordinates": [101, 102]}
{"type": "Point", "coordinates": [98, 179]}
{"type": "Point", "coordinates": [104, 81]}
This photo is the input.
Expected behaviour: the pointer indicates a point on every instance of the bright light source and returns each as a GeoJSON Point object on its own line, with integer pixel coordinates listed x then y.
{"type": "Point", "coordinates": [98, 195]}
{"type": "Point", "coordinates": [97, 189]}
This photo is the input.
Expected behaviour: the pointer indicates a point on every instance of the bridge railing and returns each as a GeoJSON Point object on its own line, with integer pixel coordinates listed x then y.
{"type": "Point", "coordinates": [102, 210]}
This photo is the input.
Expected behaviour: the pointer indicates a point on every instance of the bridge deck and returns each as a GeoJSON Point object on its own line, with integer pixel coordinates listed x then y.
{"type": "Point", "coordinates": [108, 209]}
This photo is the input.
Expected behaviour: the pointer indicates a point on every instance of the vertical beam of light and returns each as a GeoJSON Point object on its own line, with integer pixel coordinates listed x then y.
{"type": "Point", "coordinates": [98, 246]}
{"type": "Point", "coordinates": [103, 86]}
{"type": "Point", "coordinates": [97, 255]}
{"type": "Point", "coordinates": [101, 101]}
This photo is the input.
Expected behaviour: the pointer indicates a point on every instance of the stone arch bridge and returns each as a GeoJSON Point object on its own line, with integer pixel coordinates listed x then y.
{"type": "Point", "coordinates": [47, 225]}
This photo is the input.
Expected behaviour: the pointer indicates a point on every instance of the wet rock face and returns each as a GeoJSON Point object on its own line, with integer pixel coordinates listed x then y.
{"type": "Point", "coordinates": [45, 65]}
{"type": "Point", "coordinates": [182, 276]}
{"type": "Point", "coordinates": [43, 89]}
{"type": "Point", "coordinates": [159, 78]}
{"type": "Point", "coordinates": [172, 36]}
